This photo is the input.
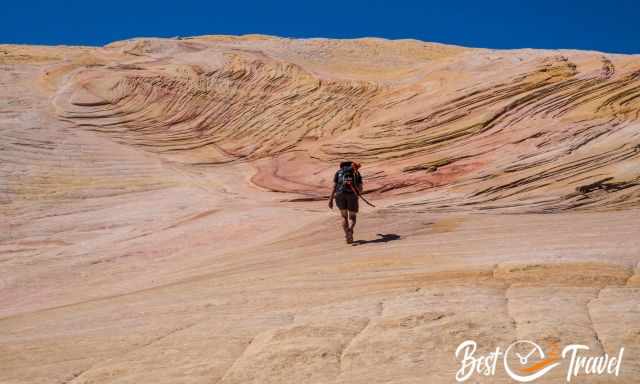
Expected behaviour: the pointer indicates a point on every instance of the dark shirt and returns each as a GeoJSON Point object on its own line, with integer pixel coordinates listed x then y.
{"type": "Point", "coordinates": [357, 180]}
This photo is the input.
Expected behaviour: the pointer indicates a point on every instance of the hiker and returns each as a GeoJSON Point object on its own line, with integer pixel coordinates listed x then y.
{"type": "Point", "coordinates": [347, 185]}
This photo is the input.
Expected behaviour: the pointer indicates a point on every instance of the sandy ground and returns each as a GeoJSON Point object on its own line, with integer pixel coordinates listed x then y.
{"type": "Point", "coordinates": [145, 238]}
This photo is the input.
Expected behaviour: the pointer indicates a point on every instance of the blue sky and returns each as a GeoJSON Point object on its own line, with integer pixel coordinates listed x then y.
{"type": "Point", "coordinates": [610, 26]}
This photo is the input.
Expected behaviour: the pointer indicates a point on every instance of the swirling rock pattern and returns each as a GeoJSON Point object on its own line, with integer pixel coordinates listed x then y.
{"type": "Point", "coordinates": [517, 131]}
{"type": "Point", "coordinates": [160, 218]}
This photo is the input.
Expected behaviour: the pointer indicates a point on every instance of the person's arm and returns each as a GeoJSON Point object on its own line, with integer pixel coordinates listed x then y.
{"type": "Point", "coordinates": [359, 183]}
{"type": "Point", "coordinates": [333, 194]}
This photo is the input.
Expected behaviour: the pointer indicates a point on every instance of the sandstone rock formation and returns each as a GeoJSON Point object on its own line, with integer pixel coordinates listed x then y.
{"type": "Point", "coordinates": [164, 215]}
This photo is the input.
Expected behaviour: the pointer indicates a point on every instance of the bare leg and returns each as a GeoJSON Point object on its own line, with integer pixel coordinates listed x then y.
{"type": "Point", "coordinates": [352, 217]}
{"type": "Point", "coordinates": [345, 222]}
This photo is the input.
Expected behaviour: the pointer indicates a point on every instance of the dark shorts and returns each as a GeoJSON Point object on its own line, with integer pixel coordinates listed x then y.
{"type": "Point", "coordinates": [348, 201]}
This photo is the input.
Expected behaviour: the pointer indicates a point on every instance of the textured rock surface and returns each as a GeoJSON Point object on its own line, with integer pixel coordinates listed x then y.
{"type": "Point", "coordinates": [163, 221]}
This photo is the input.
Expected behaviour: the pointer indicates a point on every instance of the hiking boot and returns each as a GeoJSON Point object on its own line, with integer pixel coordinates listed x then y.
{"type": "Point", "coordinates": [349, 236]}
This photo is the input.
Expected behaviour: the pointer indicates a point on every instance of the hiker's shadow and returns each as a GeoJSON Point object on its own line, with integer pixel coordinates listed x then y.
{"type": "Point", "coordinates": [383, 238]}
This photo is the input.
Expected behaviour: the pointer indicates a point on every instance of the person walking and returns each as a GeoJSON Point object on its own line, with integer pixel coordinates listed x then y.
{"type": "Point", "coordinates": [347, 186]}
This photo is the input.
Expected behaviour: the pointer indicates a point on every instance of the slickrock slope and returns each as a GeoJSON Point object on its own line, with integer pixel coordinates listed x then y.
{"type": "Point", "coordinates": [164, 214]}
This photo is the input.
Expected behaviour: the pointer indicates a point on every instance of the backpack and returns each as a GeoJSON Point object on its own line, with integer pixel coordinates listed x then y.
{"type": "Point", "coordinates": [346, 179]}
